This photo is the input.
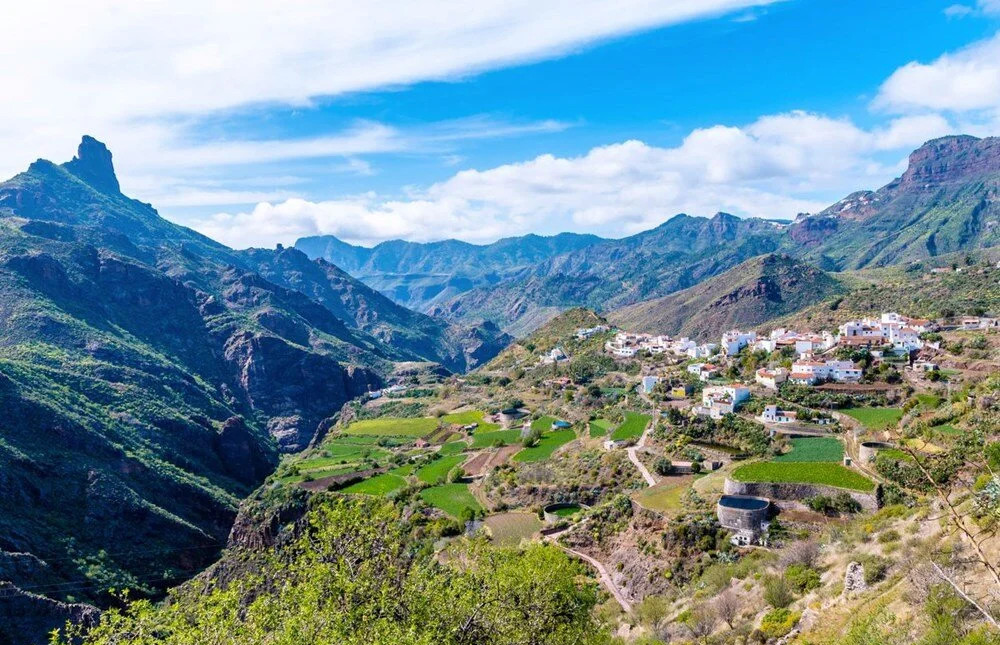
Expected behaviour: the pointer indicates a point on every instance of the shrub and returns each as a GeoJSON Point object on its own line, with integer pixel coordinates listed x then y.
{"type": "Point", "coordinates": [802, 578]}
{"type": "Point", "coordinates": [777, 592]}
{"type": "Point", "coordinates": [663, 466]}
{"type": "Point", "coordinates": [891, 535]}
{"type": "Point", "coordinates": [778, 622]}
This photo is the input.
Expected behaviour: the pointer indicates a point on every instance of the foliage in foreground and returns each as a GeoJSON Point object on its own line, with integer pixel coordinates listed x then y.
{"type": "Point", "coordinates": [355, 575]}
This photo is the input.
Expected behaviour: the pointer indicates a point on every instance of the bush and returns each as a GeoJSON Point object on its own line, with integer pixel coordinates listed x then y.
{"type": "Point", "coordinates": [663, 466]}
{"type": "Point", "coordinates": [875, 568]}
{"type": "Point", "coordinates": [777, 592]}
{"type": "Point", "coordinates": [778, 622]}
{"type": "Point", "coordinates": [802, 578]}
{"type": "Point", "coordinates": [891, 535]}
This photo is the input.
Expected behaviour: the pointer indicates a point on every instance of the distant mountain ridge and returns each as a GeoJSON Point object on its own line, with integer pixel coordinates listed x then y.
{"type": "Point", "coordinates": [420, 275]}
{"type": "Point", "coordinates": [744, 297]}
{"type": "Point", "coordinates": [948, 200]}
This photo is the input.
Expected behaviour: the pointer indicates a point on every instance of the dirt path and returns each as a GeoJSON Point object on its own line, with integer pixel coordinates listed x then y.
{"type": "Point", "coordinates": [602, 572]}
{"type": "Point", "coordinates": [633, 456]}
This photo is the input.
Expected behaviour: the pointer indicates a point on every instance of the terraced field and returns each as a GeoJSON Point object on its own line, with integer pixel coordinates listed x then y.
{"type": "Point", "coordinates": [547, 445]}
{"type": "Point", "coordinates": [451, 498]}
{"type": "Point", "coordinates": [826, 474]}
{"type": "Point", "coordinates": [471, 416]}
{"type": "Point", "coordinates": [632, 427]}
{"type": "Point", "coordinates": [438, 469]}
{"type": "Point", "coordinates": [378, 485]}
{"type": "Point", "coordinates": [815, 449]}
{"type": "Point", "coordinates": [875, 418]}
{"type": "Point", "coordinates": [599, 427]}
{"type": "Point", "coordinates": [487, 439]}
{"type": "Point", "coordinates": [393, 427]}
{"type": "Point", "coordinates": [508, 529]}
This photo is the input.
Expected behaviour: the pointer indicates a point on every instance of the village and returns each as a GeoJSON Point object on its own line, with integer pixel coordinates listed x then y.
{"type": "Point", "coordinates": [768, 432]}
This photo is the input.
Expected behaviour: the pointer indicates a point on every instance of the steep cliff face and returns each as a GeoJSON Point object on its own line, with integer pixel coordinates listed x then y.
{"type": "Point", "coordinates": [947, 200]}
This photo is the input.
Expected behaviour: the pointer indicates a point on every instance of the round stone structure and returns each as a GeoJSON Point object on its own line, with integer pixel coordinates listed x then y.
{"type": "Point", "coordinates": [510, 415]}
{"type": "Point", "coordinates": [742, 512]}
{"type": "Point", "coordinates": [868, 449]}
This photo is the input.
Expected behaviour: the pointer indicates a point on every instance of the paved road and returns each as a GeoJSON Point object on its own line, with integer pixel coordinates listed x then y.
{"type": "Point", "coordinates": [633, 456]}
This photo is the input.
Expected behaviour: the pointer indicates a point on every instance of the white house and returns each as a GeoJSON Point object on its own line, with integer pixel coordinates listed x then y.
{"type": "Point", "coordinates": [555, 355]}
{"type": "Point", "coordinates": [773, 414]}
{"type": "Point", "coordinates": [702, 351]}
{"type": "Point", "coordinates": [719, 401]}
{"type": "Point", "coordinates": [925, 366]}
{"type": "Point", "coordinates": [734, 340]}
{"type": "Point", "coordinates": [584, 333]}
{"type": "Point", "coordinates": [771, 378]}
{"type": "Point", "coordinates": [809, 372]}
{"type": "Point", "coordinates": [704, 371]}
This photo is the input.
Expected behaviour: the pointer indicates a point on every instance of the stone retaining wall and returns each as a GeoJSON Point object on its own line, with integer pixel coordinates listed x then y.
{"type": "Point", "coordinates": [797, 492]}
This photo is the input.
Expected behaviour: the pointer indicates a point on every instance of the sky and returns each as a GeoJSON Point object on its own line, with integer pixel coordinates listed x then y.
{"type": "Point", "coordinates": [425, 120]}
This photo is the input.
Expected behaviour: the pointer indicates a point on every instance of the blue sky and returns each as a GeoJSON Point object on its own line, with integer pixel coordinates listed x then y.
{"type": "Point", "coordinates": [510, 122]}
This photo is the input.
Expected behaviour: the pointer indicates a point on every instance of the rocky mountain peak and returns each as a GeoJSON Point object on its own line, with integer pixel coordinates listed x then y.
{"type": "Point", "coordinates": [951, 159]}
{"type": "Point", "coordinates": [92, 164]}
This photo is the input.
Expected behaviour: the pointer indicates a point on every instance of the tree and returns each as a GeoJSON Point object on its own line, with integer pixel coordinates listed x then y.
{"type": "Point", "coordinates": [728, 606]}
{"type": "Point", "coordinates": [354, 577]}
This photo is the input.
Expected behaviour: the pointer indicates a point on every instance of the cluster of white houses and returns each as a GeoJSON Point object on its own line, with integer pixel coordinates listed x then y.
{"type": "Point", "coordinates": [626, 345]}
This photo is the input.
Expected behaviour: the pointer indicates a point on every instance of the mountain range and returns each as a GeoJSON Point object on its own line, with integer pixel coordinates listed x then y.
{"type": "Point", "coordinates": [149, 378]}
{"type": "Point", "coordinates": [946, 201]}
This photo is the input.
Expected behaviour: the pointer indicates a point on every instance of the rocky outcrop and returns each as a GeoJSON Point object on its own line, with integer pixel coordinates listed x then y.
{"type": "Point", "coordinates": [241, 454]}
{"type": "Point", "coordinates": [92, 164]}
{"type": "Point", "coordinates": [294, 387]}
{"type": "Point", "coordinates": [27, 618]}
{"type": "Point", "coordinates": [854, 579]}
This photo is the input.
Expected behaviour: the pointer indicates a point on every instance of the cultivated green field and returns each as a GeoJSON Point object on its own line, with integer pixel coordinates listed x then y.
{"type": "Point", "coordinates": [599, 427]}
{"type": "Point", "coordinates": [453, 448]}
{"type": "Point", "coordinates": [632, 427]}
{"type": "Point", "coordinates": [543, 423]}
{"type": "Point", "coordinates": [393, 427]}
{"type": "Point", "coordinates": [826, 474]}
{"type": "Point", "coordinates": [929, 401]}
{"type": "Point", "coordinates": [548, 444]}
{"type": "Point", "coordinates": [377, 485]}
{"type": "Point", "coordinates": [508, 529]}
{"type": "Point", "coordinates": [816, 449]}
{"type": "Point", "coordinates": [450, 498]}
{"type": "Point", "coordinates": [438, 469]}
{"type": "Point", "coordinates": [471, 416]}
{"type": "Point", "coordinates": [486, 439]}
{"type": "Point", "coordinates": [875, 418]}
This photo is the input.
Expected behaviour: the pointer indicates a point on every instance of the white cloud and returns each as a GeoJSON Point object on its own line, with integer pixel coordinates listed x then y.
{"type": "Point", "coordinates": [966, 80]}
{"type": "Point", "coordinates": [775, 167]}
{"type": "Point", "coordinates": [136, 73]}
{"type": "Point", "coordinates": [958, 10]}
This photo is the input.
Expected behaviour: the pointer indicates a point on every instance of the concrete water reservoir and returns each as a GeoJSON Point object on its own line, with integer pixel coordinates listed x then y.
{"type": "Point", "coordinates": [742, 512]}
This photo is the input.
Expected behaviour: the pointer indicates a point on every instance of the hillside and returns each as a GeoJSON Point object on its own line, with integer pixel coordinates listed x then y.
{"type": "Point", "coordinates": [150, 376]}
{"type": "Point", "coordinates": [746, 296]}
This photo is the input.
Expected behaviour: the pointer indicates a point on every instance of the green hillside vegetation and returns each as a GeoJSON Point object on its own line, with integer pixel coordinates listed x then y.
{"type": "Point", "coordinates": [357, 576]}
{"type": "Point", "coordinates": [488, 439]}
